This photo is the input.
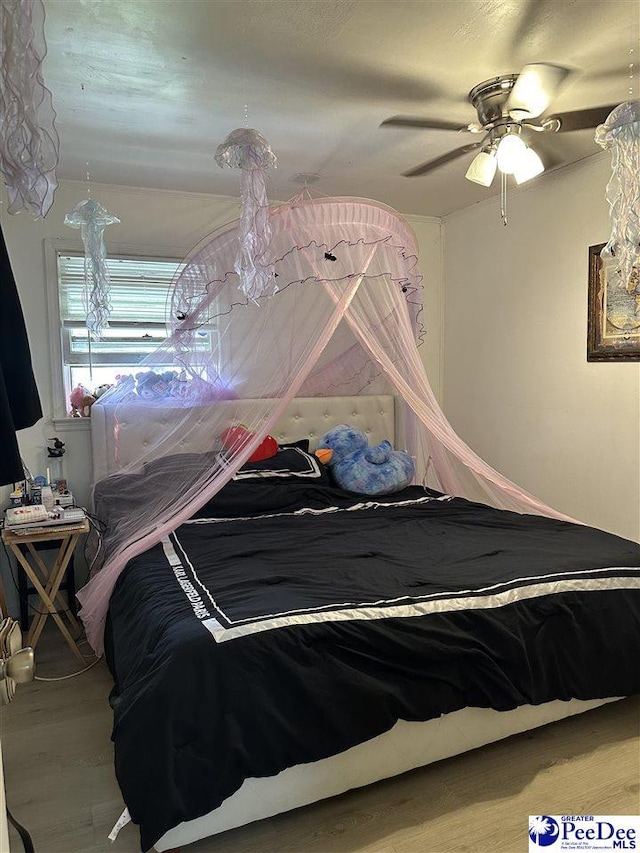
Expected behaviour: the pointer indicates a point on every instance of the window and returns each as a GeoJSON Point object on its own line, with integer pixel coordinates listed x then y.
{"type": "Point", "coordinates": [137, 325]}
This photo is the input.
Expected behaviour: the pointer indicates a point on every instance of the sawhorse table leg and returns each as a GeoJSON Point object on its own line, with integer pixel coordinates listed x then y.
{"type": "Point", "coordinates": [49, 593]}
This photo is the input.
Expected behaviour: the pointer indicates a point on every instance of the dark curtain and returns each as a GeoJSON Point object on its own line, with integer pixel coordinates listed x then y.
{"type": "Point", "coordinates": [19, 400]}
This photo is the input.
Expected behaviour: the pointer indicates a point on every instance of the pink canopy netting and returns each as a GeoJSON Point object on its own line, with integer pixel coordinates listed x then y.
{"type": "Point", "coordinates": [346, 319]}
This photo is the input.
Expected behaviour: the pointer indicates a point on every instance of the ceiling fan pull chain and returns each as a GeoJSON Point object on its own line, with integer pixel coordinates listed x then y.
{"type": "Point", "coordinates": [503, 198]}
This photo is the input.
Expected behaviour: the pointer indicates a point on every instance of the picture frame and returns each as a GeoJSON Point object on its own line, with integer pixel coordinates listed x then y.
{"type": "Point", "coordinates": [613, 323]}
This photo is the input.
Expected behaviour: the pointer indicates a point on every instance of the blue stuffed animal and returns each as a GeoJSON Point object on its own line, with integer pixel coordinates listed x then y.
{"type": "Point", "coordinates": [356, 467]}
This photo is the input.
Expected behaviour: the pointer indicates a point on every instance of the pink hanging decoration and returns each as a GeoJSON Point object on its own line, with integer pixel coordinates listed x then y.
{"type": "Point", "coordinates": [248, 150]}
{"type": "Point", "coordinates": [29, 143]}
{"type": "Point", "coordinates": [91, 218]}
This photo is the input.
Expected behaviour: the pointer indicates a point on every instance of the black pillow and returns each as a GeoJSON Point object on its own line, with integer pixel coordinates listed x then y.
{"type": "Point", "coordinates": [303, 444]}
{"type": "Point", "coordinates": [291, 461]}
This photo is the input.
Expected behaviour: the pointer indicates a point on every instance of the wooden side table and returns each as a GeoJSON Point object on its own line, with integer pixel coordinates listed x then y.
{"type": "Point", "coordinates": [39, 574]}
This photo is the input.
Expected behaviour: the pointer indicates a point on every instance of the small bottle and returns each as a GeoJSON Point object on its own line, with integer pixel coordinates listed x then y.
{"type": "Point", "coordinates": [47, 498]}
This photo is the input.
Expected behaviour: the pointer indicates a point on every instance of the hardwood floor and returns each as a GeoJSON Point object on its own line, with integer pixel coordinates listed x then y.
{"type": "Point", "coordinates": [60, 782]}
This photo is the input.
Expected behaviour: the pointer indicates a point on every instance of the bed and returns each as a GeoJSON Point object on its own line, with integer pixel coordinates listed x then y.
{"type": "Point", "coordinates": [293, 641]}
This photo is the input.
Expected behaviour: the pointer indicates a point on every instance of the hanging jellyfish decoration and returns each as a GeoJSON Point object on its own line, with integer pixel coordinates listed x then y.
{"type": "Point", "coordinates": [29, 142]}
{"type": "Point", "coordinates": [620, 134]}
{"type": "Point", "coordinates": [91, 218]}
{"type": "Point", "coordinates": [248, 150]}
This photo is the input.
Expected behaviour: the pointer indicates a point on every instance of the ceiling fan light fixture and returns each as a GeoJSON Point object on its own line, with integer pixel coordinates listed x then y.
{"type": "Point", "coordinates": [534, 88]}
{"type": "Point", "coordinates": [529, 166]}
{"type": "Point", "coordinates": [535, 102]}
{"type": "Point", "coordinates": [510, 153]}
{"type": "Point", "coordinates": [482, 169]}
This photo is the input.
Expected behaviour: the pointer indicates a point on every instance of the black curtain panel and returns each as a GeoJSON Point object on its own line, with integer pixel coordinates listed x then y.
{"type": "Point", "coordinates": [19, 399]}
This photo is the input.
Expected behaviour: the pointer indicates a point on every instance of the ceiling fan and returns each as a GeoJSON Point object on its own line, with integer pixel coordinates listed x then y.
{"type": "Point", "coordinates": [510, 108]}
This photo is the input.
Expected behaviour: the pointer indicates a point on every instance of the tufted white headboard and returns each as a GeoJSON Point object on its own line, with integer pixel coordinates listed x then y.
{"type": "Point", "coordinates": [306, 417]}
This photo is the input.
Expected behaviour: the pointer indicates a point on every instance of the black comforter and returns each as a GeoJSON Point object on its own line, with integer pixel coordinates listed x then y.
{"type": "Point", "coordinates": [242, 646]}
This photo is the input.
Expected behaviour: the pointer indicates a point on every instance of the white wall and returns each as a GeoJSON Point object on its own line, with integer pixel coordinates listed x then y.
{"type": "Point", "coordinates": [517, 386]}
{"type": "Point", "coordinates": [151, 221]}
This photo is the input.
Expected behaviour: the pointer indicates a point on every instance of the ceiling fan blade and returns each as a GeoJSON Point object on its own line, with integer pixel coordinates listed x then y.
{"type": "Point", "coordinates": [430, 165]}
{"type": "Point", "coordinates": [410, 121]}
{"type": "Point", "coordinates": [580, 119]}
{"type": "Point", "coordinates": [535, 88]}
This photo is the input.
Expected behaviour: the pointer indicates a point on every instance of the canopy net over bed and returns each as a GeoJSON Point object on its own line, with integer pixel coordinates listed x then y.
{"type": "Point", "coordinates": [343, 317]}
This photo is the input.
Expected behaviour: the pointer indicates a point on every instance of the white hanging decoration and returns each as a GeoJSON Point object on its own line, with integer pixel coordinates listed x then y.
{"type": "Point", "coordinates": [92, 218]}
{"type": "Point", "coordinates": [29, 142]}
{"type": "Point", "coordinates": [620, 134]}
{"type": "Point", "coordinates": [248, 150]}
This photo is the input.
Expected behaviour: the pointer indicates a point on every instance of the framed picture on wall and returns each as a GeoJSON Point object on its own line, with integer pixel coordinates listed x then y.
{"type": "Point", "coordinates": [613, 326]}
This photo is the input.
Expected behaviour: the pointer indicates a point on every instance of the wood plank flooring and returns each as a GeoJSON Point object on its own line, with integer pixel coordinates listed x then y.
{"type": "Point", "coordinates": [60, 782]}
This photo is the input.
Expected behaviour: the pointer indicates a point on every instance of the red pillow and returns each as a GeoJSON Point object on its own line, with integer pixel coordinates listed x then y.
{"type": "Point", "coordinates": [234, 438]}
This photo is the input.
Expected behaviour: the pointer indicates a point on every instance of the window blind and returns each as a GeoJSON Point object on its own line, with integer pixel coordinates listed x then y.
{"type": "Point", "coordinates": [139, 295]}
{"type": "Point", "coordinates": [139, 289]}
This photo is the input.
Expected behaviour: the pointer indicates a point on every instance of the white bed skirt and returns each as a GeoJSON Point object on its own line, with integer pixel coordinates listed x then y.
{"type": "Point", "coordinates": [406, 746]}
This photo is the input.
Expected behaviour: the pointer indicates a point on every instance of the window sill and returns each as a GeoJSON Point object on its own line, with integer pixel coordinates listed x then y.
{"type": "Point", "coordinates": [72, 424]}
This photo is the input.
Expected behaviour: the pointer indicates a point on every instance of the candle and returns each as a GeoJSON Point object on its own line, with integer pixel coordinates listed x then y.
{"type": "Point", "coordinates": [48, 477]}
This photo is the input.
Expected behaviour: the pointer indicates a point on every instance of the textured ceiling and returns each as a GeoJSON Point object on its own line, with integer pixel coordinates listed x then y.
{"type": "Point", "coordinates": [145, 90]}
